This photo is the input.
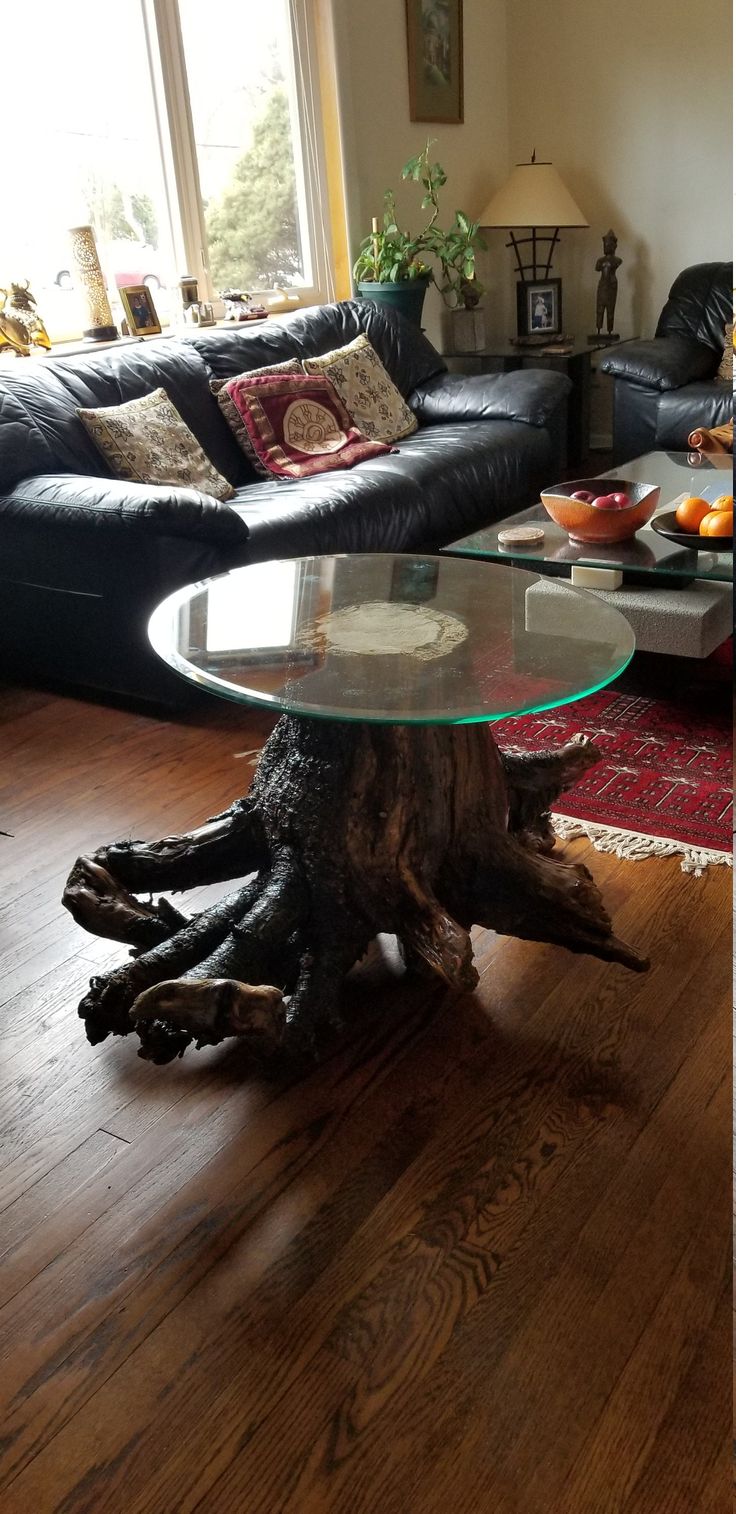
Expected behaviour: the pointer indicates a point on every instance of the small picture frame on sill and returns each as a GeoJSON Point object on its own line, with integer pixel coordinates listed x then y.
{"type": "Point", "coordinates": [140, 311]}
{"type": "Point", "coordinates": [539, 308]}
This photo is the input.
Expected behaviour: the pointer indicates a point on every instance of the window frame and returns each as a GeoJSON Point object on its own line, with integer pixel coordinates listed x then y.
{"type": "Point", "coordinates": [175, 128]}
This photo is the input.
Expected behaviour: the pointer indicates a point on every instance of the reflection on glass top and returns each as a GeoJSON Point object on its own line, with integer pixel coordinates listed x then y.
{"type": "Point", "coordinates": [677, 473]}
{"type": "Point", "coordinates": [394, 639]}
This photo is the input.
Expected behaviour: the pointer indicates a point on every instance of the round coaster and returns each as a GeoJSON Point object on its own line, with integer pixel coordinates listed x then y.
{"type": "Point", "coordinates": [521, 536]}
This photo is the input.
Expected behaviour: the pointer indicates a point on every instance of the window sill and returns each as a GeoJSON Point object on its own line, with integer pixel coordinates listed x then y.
{"type": "Point", "coordinates": [76, 346]}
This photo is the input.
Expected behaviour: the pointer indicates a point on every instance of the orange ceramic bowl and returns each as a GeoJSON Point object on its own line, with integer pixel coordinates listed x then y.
{"type": "Point", "coordinates": [586, 524]}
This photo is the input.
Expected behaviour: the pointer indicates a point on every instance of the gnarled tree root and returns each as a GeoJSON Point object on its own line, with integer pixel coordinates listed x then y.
{"type": "Point", "coordinates": [351, 830]}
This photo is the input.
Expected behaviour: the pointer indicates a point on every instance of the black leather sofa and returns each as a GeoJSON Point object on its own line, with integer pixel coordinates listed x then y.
{"type": "Point", "coordinates": [84, 558]}
{"type": "Point", "coordinates": [666, 386]}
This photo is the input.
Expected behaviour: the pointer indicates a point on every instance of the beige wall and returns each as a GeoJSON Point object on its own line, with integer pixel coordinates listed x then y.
{"type": "Point", "coordinates": [378, 135]}
{"type": "Point", "coordinates": [631, 100]}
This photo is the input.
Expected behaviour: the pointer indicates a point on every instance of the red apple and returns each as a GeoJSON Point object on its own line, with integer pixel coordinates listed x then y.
{"type": "Point", "coordinates": [621, 501]}
{"type": "Point", "coordinates": [603, 502]}
{"type": "Point", "coordinates": [584, 495]}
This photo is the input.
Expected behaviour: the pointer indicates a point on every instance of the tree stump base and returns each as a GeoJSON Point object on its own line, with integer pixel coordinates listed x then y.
{"type": "Point", "coordinates": [348, 830]}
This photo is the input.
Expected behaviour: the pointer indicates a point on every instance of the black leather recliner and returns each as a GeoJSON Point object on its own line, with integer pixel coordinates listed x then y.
{"type": "Point", "coordinates": [84, 557]}
{"type": "Point", "coordinates": [666, 387]}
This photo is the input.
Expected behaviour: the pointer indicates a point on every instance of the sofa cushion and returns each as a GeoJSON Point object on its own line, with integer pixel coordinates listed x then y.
{"type": "Point", "coordinates": [681, 411]}
{"type": "Point", "coordinates": [441, 483]}
{"type": "Point", "coordinates": [147, 441]}
{"type": "Point", "coordinates": [699, 304]}
{"type": "Point", "coordinates": [46, 394]}
{"type": "Point", "coordinates": [403, 349]}
{"type": "Point", "coordinates": [296, 425]}
{"type": "Point", "coordinates": [366, 390]}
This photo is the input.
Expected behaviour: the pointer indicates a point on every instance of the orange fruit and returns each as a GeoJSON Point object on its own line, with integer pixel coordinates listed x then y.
{"type": "Point", "coordinates": [690, 512]}
{"type": "Point", "coordinates": [717, 523]}
{"type": "Point", "coordinates": [723, 502]}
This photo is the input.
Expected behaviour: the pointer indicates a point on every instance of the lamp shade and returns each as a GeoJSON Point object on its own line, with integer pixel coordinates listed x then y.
{"type": "Point", "coordinates": [533, 195]}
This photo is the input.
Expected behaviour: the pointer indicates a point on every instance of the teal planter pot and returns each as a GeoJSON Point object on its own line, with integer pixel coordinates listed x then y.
{"type": "Point", "coordinates": [407, 296]}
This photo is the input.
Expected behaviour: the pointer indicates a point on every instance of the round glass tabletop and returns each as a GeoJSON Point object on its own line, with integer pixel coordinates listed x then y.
{"type": "Point", "coordinates": [395, 639]}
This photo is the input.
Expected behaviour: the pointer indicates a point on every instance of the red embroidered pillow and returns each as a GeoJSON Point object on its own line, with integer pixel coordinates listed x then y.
{"type": "Point", "coordinates": [297, 424]}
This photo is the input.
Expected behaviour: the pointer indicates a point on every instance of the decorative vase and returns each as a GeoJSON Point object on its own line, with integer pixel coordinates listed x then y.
{"type": "Point", "coordinates": [89, 273]}
{"type": "Point", "coordinates": [406, 296]}
{"type": "Point", "coordinates": [465, 330]}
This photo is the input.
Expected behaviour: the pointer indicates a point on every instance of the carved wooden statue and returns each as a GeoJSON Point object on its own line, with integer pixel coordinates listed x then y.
{"type": "Point", "coordinates": [606, 294]}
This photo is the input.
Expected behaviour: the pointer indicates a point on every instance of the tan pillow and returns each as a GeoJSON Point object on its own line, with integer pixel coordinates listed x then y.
{"type": "Point", "coordinates": [147, 441]}
{"type": "Point", "coordinates": [232, 414]}
{"type": "Point", "coordinates": [726, 369]}
{"type": "Point", "coordinates": [367, 391]}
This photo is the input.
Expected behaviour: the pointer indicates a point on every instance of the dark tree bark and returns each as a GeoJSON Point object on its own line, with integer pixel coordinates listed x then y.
{"type": "Point", "coordinates": [351, 830]}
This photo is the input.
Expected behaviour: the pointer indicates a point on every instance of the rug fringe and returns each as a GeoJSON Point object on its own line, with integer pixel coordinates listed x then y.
{"type": "Point", "coordinates": [634, 846]}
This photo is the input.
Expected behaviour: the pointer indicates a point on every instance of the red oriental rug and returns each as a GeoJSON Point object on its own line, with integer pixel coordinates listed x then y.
{"type": "Point", "coordinates": [663, 786]}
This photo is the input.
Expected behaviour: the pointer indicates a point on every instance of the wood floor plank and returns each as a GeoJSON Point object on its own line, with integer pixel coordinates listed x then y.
{"type": "Point", "coordinates": [320, 1306]}
{"type": "Point", "coordinates": [472, 1262]}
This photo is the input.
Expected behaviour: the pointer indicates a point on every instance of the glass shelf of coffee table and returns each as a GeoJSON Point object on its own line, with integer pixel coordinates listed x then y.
{"type": "Point", "coordinates": [391, 639]}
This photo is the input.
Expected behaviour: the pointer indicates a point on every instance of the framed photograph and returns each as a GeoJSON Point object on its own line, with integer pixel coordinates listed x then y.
{"type": "Point", "coordinates": [539, 308]}
{"type": "Point", "coordinates": [434, 30]}
{"type": "Point", "coordinates": [140, 310]}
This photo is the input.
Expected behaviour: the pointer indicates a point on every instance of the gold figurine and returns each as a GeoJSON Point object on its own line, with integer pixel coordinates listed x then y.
{"type": "Point", "coordinates": [20, 324]}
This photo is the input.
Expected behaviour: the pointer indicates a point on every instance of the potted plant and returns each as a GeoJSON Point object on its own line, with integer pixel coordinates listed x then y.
{"type": "Point", "coordinates": [390, 268]}
{"type": "Point", "coordinates": [459, 285]}
{"type": "Point", "coordinates": [394, 267]}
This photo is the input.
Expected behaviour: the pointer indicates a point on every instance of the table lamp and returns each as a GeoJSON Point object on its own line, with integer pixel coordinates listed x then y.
{"type": "Point", "coordinates": [534, 196]}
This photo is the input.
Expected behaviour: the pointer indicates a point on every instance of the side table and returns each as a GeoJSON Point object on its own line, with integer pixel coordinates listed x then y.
{"type": "Point", "coordinates": [575, 361]}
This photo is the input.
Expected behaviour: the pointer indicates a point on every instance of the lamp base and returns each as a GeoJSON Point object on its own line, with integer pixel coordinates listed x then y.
{"type": "Point", "coordinates": [101, 334]}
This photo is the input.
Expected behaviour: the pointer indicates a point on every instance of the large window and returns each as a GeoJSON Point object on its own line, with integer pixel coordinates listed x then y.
{"type": "Point", "coordinates": [184, 133]}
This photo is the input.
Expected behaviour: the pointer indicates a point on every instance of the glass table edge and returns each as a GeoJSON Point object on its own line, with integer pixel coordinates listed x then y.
{"type": "Point", "coordinates": [212, 684]}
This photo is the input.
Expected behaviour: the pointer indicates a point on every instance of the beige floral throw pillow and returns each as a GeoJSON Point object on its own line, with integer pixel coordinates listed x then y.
{"type": "Point", "coordinates": [725, 370]}
{"type": "Point", "coordinates": [147, 441]}
{"type": "Point", "coordinates": [232, 414]}
{"type": "Point", "coordinates": [366, 390]}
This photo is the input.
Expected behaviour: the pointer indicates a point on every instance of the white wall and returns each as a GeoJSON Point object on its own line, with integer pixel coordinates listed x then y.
{"type": "Point", "coordinates": [378, 135]}
{"type": "Point", "coordinates": [631, 100]}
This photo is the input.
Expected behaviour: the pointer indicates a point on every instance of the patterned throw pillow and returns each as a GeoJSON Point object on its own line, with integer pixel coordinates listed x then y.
{"type": "Point", "coordinates": [147, 441]}
{"type": "Point", "coordinates": [725, 371]}
{"type": "Point", "coordinates": [232, 414]}
{"type": "Point", "coordinates": [366, 390]}
{"type": "Point", "coordinates": [297, 424]}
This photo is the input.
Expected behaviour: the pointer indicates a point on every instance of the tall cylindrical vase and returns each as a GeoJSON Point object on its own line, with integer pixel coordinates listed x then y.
{"type": "Point", "coordinates": [90, 278]}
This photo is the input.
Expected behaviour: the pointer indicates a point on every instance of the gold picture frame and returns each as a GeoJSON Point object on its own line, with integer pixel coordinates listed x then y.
{"type": "Point", "coordinates": [140, 311]}
{"type": "Point", "coordinates": [434, 33]}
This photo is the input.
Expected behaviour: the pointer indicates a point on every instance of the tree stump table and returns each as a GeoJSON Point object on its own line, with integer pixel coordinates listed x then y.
{"type": "Point", "coordinates": [380, 803]}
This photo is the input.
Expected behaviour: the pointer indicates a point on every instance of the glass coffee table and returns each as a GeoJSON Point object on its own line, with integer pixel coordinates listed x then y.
{"type": "Point", "coordinates": [380, 802]}
{"type": "Point", "coordinates": [647, 558]}
{"type": "Point", "coordinates": [638, 575]}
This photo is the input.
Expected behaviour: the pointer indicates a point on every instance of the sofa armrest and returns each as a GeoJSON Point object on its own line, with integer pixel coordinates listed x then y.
{"type": "Point", "coordinates": [664, 362]}
{"type": "Point", "coordinates": [108, 503]}
{"type": "Point", "coordinates": [533, 395]}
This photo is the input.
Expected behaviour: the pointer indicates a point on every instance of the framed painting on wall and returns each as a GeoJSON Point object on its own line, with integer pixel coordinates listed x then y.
{"type": "Point", "coordinates": [434, 30]}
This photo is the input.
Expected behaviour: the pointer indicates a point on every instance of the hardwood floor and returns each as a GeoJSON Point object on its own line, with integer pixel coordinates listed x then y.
{"type": "Point", "coordinates": [475, 1263]}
